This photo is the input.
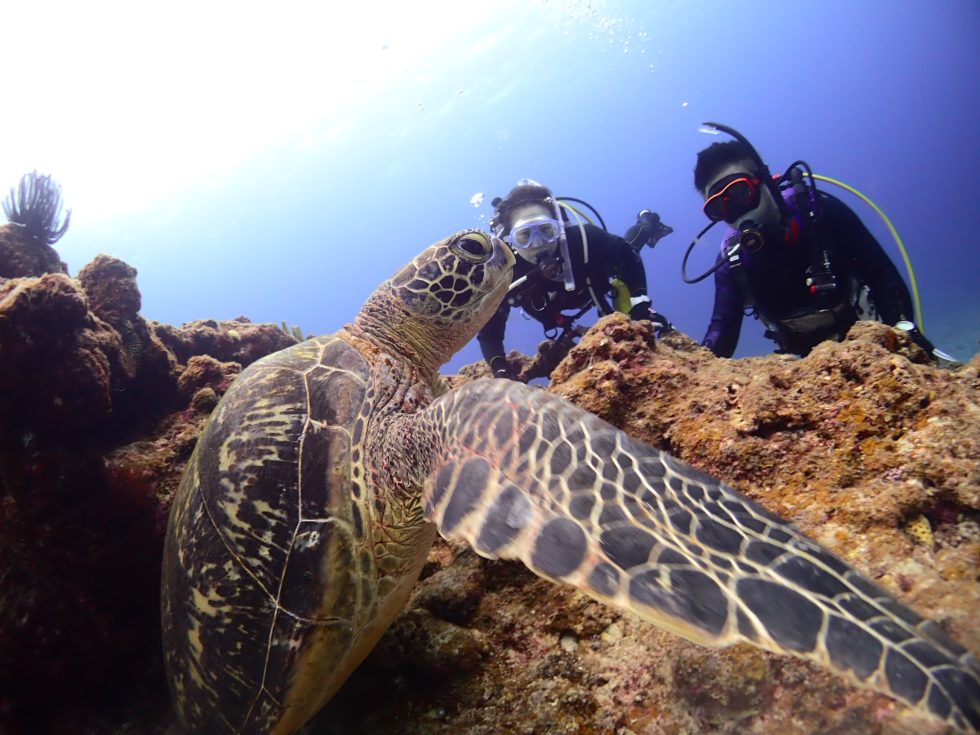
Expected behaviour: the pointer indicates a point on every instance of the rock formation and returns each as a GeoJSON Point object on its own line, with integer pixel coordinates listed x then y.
{"type": "Point", "coordinates": [99, 410]}
{"type": "Point", "coordinates": [866, 447]}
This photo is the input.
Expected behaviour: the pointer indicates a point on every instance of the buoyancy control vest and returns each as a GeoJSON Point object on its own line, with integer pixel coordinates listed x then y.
{"type": "Point", "coordinates": [831, 307]}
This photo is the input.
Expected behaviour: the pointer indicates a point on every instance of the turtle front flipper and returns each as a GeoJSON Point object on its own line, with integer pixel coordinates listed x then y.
{"type": "Point", "coordinates": [522, 474]}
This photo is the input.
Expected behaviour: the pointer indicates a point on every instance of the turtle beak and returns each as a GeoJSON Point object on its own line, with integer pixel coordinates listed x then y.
{"type": "Point", "coordinates": [500, 267]}
{"type": "Point", "coordinates": [502, 257]}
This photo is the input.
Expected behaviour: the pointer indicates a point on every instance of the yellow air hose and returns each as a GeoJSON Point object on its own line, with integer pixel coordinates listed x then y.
{"type": "Point", "coordinates": [901, 246]}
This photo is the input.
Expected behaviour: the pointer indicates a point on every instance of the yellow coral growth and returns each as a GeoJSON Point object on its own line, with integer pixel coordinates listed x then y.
{"type": "Point", "coordinates": [920, 531]}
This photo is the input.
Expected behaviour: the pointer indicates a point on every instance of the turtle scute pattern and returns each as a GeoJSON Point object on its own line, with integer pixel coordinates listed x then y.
{"type": "Point", "coordinates": [300, 523]}
{"type": "Point", "coordinates": [247, 572]}
{"type": "Point", "coordinates": [296, 533]}
{"type": "Point", "coordinates": [526, 475]}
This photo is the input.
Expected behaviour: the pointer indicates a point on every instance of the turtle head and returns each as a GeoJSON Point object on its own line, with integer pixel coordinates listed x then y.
{"type": "Point", "coordinates": [437, 303]}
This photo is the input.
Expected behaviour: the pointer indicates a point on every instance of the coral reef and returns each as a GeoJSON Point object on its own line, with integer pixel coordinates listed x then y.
{"type": "Point", "coordinates": [855, 443]}
{"type": "Point", "coordinates": [235, 340]}
{"type": "Point", "coordinates": [865, 446]}
{"type": "Point", "coordinates": [98, 416]}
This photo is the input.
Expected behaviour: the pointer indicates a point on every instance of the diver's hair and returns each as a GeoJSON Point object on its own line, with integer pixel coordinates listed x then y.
{"type": "Point", "coordinates": [716, 157]}
{"type": "Point", "coordinates": [520, 194]}
{"type": "Point", "coordinates": [36, 206]}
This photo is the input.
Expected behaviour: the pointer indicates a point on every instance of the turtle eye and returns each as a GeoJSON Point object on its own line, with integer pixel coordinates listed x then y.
{"type": "Point", "coordinates": [474, 246]}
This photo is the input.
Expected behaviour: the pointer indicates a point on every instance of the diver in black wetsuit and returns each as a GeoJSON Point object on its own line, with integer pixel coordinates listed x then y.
{"type": "Point", "coordinates": [566, 266]}
{"type": "Point", "coordinates": [799, 259]}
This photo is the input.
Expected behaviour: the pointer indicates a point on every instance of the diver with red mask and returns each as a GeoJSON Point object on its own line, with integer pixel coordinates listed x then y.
{"type": "Point", "coordinates": [795, 257]}
{"type": "Point", "coordinates": [565, 266]}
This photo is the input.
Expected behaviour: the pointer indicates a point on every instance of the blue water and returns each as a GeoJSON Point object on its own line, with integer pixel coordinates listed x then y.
{"type": "Point", "coordinates": [599, 100]}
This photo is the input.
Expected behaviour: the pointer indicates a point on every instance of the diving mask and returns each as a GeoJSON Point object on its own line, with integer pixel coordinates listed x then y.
{"type": "Point", "coordinates": [734, 196]}
{"type": "Point", "coordinates": [534, 232]}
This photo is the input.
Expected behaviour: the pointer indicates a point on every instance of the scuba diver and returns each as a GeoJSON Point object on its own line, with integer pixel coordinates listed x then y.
{"type": "Point", "coordinates": [796, 258]}
{"type": "Point", "coordinates": [566, 266]}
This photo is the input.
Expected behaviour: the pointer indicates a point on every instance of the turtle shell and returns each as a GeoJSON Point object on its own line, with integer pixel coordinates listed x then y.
{"type": "Point", "coordinates": [271, 596]}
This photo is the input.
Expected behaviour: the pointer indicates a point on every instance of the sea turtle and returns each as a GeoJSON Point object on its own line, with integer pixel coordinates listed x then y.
{"type": "Point", "coordinates": [305, 513]}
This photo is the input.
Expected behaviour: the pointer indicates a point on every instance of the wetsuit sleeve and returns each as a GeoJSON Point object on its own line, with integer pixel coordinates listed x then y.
{"type": "Point", "coordinates": [868, 259]}
{"type": "Point", "coordinates": [726, 316]}
{"type": "Point", "coordinates": [491, 337]}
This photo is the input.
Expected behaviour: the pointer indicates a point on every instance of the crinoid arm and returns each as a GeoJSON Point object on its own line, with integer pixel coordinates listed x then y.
{"type": "Point", "coordinates": [36, 205]}
{"type": "Point", "coordinates": [519, 473]}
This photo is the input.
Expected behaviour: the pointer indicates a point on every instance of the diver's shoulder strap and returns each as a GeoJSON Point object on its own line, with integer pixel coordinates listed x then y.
{"type": "Point", "coordinates": [803, 203]}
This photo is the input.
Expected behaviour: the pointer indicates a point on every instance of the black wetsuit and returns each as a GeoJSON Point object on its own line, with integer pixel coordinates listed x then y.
{"type": "Point", "coordinates": [774, 284]}
{"type": "Point", "coordinates": [546, 300]}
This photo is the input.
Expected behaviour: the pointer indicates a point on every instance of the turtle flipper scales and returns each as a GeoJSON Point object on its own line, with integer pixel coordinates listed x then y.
{"type": "Point", "coordinates": [523, 474]}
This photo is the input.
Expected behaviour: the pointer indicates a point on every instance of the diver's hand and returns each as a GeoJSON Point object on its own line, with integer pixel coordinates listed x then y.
{"type": "Point", "coordinates": [942, 359]}
{"type": "Point", "coordinates": [916, 336]}
{"type": "Point", "coordinates": [661, 325]}
{"type": "Point", "coordinates": [643, 311]}
{"type": "Point", "coordinates": [647, 230]}
{"type": "Point", "coordinates": [649, 219]}
{"type": "Point", "coordinates": [502, 369]}
{"type": "Point", "coordinates": [652, 228]}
